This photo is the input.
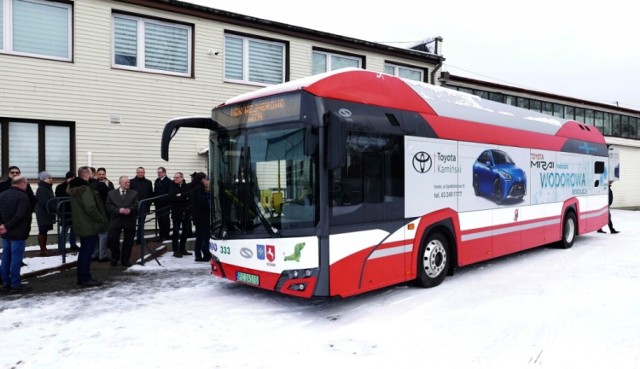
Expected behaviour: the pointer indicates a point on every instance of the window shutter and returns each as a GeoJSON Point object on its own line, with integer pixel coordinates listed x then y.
{"type": "Point", "coordinates": [265, 62]}
{"type": "Point", "coordinates": [57, 150]}
{"type": "Point", "coordinates": [319, 63]}
{"type": "Point", "coordinates": [23, 148]}
{"type": "Point", "coordinates": [40, 28]}
{"type": "Point", "coordinates": [166, 48]}
{"type": "Point", "coordinates": [338, 62]}
{"type": "Point", "coordinates": [389, 69]}
{"type": "Point", "coordinates": [126, 41]}
{"type": "Point", "coordinates": [409, 74]}
{"type": "Point", "coordinates": [1, 26]}
{"type": "Point", "coordinates": [233, 58]}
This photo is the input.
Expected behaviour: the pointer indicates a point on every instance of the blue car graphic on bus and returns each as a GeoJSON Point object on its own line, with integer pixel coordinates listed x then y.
{"type": "Point", "coordinates": [495, 175]}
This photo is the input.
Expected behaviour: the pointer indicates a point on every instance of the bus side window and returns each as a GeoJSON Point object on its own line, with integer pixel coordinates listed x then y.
{"type": "Point", "coordinates": [373, 177]}
{"type": "Point", "coordinates": [369, 187]}
{"type": "Point", "coordinates": [599, 167]}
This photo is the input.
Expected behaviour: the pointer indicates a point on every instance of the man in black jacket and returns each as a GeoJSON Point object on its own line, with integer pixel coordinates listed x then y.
{"type": "Point", "coordinates": [201, 215]}
{"type": "Point", "coordinates": [161, 187]}
{"type": "Point", "coordinates": [179, 194]}
{"type": "Point", "coordinates": [6, 184]}
{"type": "Point", "coordinates": [144, 188]}
{"type": "Point", "coordinates": [15, 224]}
{"type": "Point", "coordinates": [611, 229]}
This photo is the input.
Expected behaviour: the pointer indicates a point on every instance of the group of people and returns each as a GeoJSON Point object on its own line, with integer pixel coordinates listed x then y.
{"type": "Point", "coordinates": [99, 214]}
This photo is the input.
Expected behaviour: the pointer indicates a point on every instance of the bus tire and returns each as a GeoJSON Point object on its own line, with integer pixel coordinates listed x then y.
{"type": "Point", "coordinates": [569, 230]}
{"type": "Point", "coordinates": [434, 260]}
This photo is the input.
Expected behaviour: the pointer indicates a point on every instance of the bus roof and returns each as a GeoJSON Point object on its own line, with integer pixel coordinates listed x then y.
{"type": "Point", "coordinates": [367, 87]}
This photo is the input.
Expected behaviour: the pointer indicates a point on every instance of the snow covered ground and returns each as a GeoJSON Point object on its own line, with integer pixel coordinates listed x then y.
{"type": "Point", "coordinates": [544, 308]}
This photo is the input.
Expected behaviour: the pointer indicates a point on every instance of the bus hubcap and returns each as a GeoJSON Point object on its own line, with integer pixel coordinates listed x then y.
{"type": "Point", "coordinates": [435, 258]}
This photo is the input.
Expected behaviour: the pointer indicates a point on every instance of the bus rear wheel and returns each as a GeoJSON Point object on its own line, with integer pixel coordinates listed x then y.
{"type": "Point", "coordinates": [434, 260]}
{"type": "Point", "coordinates": [569, 228]}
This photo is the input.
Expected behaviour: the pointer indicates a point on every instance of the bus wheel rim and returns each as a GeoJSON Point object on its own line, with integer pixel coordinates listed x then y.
{"type": "Point", "coordinates": [434, 259]}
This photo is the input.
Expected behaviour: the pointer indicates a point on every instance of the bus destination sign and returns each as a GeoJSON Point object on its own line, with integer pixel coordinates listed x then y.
{"type": "Point", "coordinates": [258, 111]}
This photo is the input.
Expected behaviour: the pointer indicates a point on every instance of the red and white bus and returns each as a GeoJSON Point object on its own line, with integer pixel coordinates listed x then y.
{"type": "Point", "coordinates": [350, 181]}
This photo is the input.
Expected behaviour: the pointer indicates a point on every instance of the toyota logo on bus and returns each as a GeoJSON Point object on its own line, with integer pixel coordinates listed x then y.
{"type": "Point", "coordinates": [422, 162]}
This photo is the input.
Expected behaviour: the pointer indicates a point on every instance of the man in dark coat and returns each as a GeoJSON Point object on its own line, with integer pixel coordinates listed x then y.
{"type": "Point", "coordinates": [179, 198]}
{"type": "Point", "coordinates": [15, 224]}
{"type": "Point", "coordinates": [122, 205]}
{"type": "Point", "coordinates": [611, 229]}
{"type": "Point", "coordinates": [6, 184]}
{"type": "Point", "coordinates": [161, 187]}
{"type": "Point", "coordinates": [201, 215]}
{"type": "Point", "coordinates": [144, 188]}
{"type": "Point", "coordinates": [61, 192]}
{"type": "Point", "coordinates": [89, 218]}
{"type": "Point", "coordinates": [45, 215]}
{"type": "Point", "coordinates": [103, 185]}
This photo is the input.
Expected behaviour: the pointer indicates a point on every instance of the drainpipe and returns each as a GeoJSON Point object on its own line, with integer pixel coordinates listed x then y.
{"type": "Point", "coordinates": [435, 70]}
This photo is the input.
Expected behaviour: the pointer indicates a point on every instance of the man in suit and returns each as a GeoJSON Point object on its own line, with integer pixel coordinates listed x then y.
{"type": "Point", "coordinates": [122, 206]}
{"type": "Point", "coordinates": [161, 187]}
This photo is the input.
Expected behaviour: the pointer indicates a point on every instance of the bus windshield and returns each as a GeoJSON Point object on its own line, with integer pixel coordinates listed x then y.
{"type": "Point", "coordinates": [263, 180]}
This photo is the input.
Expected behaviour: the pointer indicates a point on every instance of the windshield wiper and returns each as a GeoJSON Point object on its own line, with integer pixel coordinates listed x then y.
{"type": "Point", "coordinates": [273, 231]}
{"type": "Point", "coordinates": [245, 178]}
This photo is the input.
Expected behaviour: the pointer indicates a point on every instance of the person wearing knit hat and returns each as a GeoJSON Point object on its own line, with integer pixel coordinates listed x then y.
{"type": "Point", "coordinates": [44, 217]}
{"type": "Point", "coordinates": [44, 175]}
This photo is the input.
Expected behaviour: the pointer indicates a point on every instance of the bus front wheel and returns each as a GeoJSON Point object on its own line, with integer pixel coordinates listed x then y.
{"type": "Point", "coordinates": [434, 260]}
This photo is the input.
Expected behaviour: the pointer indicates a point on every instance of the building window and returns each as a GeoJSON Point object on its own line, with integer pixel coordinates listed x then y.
{"type": "Point", "coordinates": [615, 125]}
{"type": "Point", "coordinates": [607, 124]}
{"type": "Point", "coordinates": [535, 105]}
{"type": "Point", "coordinates": [414, 74]}
{"type": "Point", "coordinates": [496, 96]}
{"type": "Point", "coordinates": [569, 112]}
{"type": "Point", "coordinates": [35, 146]}
{"type": "Point", "coordinates": [589, 117]}
{"type": "Point", "coordinates": [481, 94]}
{"type": "Point", "coordinates": [579, 115]}
{"type": "Point", "coordinates": [254, 61]}
{"type": "Point", "coordinates": [36, 28]}
{"type": "Point", "coordinates": [624, 123]}
{"type": "Point", "coordinates": [558, 110]}
{"type": "Point", "coordinates": [522, 102]}
{"type": "Point", "coordinates": [326, 62]}
{"type": "Point", "coordinates": [599, 120]}
{"type": "Point", "coordinates": [151, 45]}
{"type": "Point", "coordinates": [633, 127]}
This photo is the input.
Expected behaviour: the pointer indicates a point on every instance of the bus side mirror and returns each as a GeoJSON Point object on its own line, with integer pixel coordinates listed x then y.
{"type": "Point", "coordinates": [172, 127]}
{"type": "Point", "coordinates": [336, 140]}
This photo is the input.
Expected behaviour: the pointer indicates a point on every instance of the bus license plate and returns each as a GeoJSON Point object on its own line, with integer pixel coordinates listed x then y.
{"type": "Point", "coordinates": [247, 278]}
